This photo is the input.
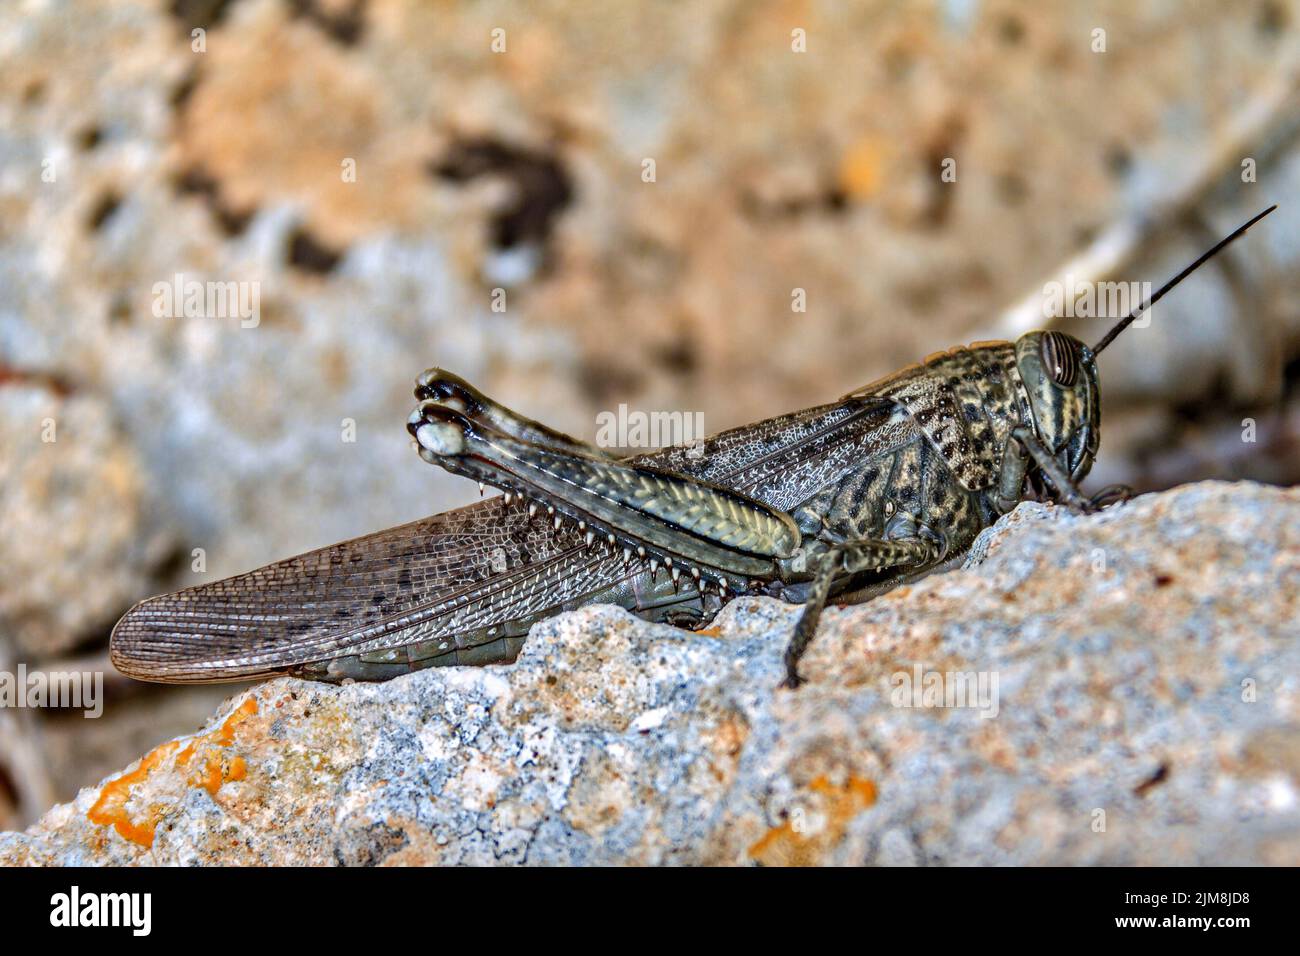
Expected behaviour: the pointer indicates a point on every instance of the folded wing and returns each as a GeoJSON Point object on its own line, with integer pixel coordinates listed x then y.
{"type": "Point", "coordinates": [458, 574]}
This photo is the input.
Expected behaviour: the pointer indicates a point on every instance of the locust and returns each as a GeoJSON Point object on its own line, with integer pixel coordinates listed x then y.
{"type": "Point", "coordinates": [845, 500]}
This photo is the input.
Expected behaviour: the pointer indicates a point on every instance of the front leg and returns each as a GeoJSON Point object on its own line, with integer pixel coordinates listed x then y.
{"type": "Point", "coordinates": [1067, 491]}
{"type": "Point", "coordinates": [843, 560]}
{"type": "Point", "coordinates": [1022, 446]}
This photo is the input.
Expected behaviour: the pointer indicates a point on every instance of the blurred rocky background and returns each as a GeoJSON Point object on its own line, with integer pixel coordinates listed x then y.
{"type": "Point", "coordinates": [730, 207]}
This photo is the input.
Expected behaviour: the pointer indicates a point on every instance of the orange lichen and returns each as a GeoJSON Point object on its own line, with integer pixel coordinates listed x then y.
{"type": "Point", "coordinates": [210, 777]}
{"type": "Point", "coordinates": [111, 807]}
{"type": "Point", "coordinates": [772, 838]}
{"type": "Point", "coordinates": [226, 735]}
{"type": "Point", "coordinates": [214, 771]}
{"type": "Point", "coordinates": [710, 632]}
{"type": "Point", "coordinates": [858, 793]}
{"type": "Point", "coordinates": [793, 843]}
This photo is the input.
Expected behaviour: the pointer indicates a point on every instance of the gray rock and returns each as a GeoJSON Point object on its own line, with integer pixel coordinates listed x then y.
{"type": "Point", "coordinates": [72, 504]}
{"type": "Point", "coordinates": [1146, 712]}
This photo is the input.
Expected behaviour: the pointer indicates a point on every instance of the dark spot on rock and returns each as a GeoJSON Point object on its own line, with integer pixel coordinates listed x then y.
{"type": "Point", "coordinates": [343, 26]}
{"type": "Point", "coordinates": [942, 146]}
{"type": "Point", "coordinates": [835, 199]}
{"type": "Point", "coordinates": [603, 380]}
{"type": "Point", "coordinates": [1010, 30]}
{"type": "Point", "coordinates": [198, 13]}
{"type": "Point", "coordinates": [831, 200]}
{"type": "Point", "coordinates": [198, 182]}
{"type": "Point", "coordinates": [1157, 778]}
{"type": "Point", "coordinates": [310, 255]}
{"type": "Point", "coordinates": [119, 309]}
{"type": "Point", "coordinates": [89, 138]}
{"type": "Point", "coordinates": [679, 357]}
{"type": "Point", "coordinates": [184, 89]}
{"type": "Point", "coordinates": [103, 209]}
{"type": "Point", "coordinates": [175, 562]}
{"type": "Point", "coordinates": [1273, 18]}
{"type": "Point", "coordinates": [543, 187]}
{"type": "Point", "coordinates": [34, 92]}
{"type": "Point", "coordinates": [1164, 580]}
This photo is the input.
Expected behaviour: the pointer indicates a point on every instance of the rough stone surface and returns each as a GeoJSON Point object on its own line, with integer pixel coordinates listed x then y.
{"type": "Point", "coordinates": [1147, 712]}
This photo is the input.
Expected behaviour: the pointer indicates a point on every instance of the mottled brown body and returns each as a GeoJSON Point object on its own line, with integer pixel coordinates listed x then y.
{"type": "Point", "coordinates": [889, 483]}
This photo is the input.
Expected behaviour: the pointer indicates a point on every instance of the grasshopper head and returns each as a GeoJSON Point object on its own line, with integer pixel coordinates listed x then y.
{"type": "Point", "coordinates": [1060, 374]}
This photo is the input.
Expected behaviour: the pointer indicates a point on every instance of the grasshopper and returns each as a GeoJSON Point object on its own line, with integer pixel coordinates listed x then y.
{"type": "Point", "coordinates": [891, 482]}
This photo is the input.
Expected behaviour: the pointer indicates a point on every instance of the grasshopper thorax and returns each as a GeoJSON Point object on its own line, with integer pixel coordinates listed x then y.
{"type": "Point", "coordinates": [1060, 375]}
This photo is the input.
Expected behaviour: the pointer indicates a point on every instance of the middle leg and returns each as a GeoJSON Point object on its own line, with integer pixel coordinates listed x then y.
{"type": "Point", "coordinates": [849, 558]}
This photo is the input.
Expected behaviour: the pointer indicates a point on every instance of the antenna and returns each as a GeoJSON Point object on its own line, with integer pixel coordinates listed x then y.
{"type": "Point", "coordinates": [1124, 323]}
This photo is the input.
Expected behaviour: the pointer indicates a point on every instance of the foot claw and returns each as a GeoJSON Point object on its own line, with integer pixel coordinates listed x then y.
{"type": "Point", "coordinates": [451, 391]}
{"type": "Point", "coordinates": [1110, 495]}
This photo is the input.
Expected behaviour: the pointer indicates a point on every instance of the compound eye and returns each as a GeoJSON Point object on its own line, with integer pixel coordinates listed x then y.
{"type": "Point", "coordinates": [1060, 358]}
